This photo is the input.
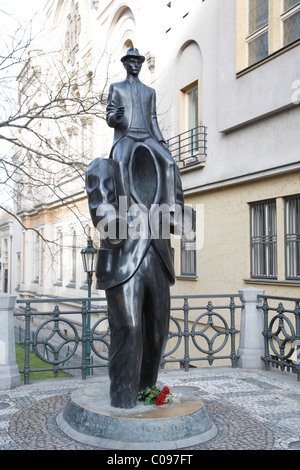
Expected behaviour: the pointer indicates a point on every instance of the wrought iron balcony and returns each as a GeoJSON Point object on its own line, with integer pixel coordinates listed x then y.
{"type": "Point", "coordinates": [189, 148]}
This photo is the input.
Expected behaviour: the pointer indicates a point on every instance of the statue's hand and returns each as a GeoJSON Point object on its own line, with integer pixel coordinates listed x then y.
{"type": "Point", "coordinates": [119, 112]}
{"type": "Point", "coordinates": [165, 146]}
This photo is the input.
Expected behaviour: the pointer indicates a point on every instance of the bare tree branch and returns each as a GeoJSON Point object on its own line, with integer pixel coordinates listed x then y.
{"type": "Point", "coordinates": [47, 125]}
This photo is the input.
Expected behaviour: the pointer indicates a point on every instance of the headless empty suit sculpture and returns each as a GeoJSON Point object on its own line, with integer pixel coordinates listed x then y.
{"type": "Point", "coordinates": [135, 272]}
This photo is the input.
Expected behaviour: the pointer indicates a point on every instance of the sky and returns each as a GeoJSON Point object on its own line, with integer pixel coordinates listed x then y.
{"type": "Point", "coordinates": [13, 15]}
{"type": "Point", "coordinates": [21, 9]}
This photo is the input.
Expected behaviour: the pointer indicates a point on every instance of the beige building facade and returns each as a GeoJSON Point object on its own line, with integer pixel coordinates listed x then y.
{"type": "Point", "coordinates": [228, 90]}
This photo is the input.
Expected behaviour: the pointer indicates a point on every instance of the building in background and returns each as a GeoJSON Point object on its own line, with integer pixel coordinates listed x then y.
{"type": "Point", "coordinates": [228, 91]}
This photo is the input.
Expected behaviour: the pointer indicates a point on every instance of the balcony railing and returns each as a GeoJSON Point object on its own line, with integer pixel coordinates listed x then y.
{"type": "Point", "coordinates": [190, 147]}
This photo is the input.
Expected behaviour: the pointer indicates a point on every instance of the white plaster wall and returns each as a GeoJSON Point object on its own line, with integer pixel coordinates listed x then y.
{"type": "Point", "coordinates": [251, 121]}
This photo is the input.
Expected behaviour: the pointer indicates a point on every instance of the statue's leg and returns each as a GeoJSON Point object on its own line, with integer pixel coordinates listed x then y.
{"type": "Point", "coordinates": [122, 150]}
{"type": "Point", "coordinates": [155, 320]}
{"type": "Point", "coordinates": [125, 352]}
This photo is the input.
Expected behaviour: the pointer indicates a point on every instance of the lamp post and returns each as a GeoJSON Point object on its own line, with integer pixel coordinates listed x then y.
{"type": "Point", "coordinates": [88, 258]}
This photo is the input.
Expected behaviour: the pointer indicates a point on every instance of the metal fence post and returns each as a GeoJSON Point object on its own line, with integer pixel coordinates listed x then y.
{"type": "Point", "coordinates": [186, 334]}
{"type": "Point", "coordinates": [251, 347]}
{"type": "Point", "coordinates": [233, 332]}
{"type": "Point", "coordinates": [297, 340]}
{"type": "Point", "coordinates": [84, 313]}
{"type": "Point", "coordinates": [9, 371]}
{"type": "Point", "coordinates": [27, 343]}
{"type": "Point", "coordinates": [265, 310]}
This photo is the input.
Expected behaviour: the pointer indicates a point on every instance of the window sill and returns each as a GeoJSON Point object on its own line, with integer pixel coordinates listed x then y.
{"type": "Point", "coordinates": [187, 277]}
{"type": "Point", "coordinates": [268, 58]}
{"type": "Point", "coordinates": [192, 166]}
{"type": "Point", "coordinates": [273, 281]}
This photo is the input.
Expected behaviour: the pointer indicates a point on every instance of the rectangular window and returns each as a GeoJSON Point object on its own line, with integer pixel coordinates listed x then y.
{"type": "Point", "coordinates": [258, 14]}
{"type": "Point", "coordinates": [263, 240]}
{"type": "Point", "coordinates": [288, 4]}
{"type": "Point", "coordinates": [189, 143]}
{"type": "Point", "coordinates": [291, 21]}
{"type": "Point", "coordinates": [258, 48]}
{"type": "Point", "coordinates": [292, 237]}
{"type": "Point", "coordinates": [192, 108]}
{"type": "Point", "coordinates": [188, 256]}
{"type": "Point", "coordinates": [263, 28]}
{"type": "Point", "coordinates": [192, 104]}
{"type": "Point", "coordinates": [258, 18]}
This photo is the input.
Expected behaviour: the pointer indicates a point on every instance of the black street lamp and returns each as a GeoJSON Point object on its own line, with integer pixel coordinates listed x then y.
{"type": "Point", "coordinates": [89, 265]}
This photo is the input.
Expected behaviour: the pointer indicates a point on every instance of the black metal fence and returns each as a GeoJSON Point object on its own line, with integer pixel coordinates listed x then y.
{"type": "Point", "coordinates": [202, 328]}
{"type": "Point", "coordinates": [281, 333]}
{"type": "Point", "coordinates": [73, 334]}
{"type": "Point", "coordinates": [204, 334]}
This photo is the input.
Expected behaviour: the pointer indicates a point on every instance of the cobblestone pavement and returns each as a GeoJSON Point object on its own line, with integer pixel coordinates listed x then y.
{"type": "Point", "coordinates": [252, 410]}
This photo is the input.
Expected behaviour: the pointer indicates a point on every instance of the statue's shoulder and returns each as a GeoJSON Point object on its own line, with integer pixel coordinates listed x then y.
{"type": "Point", "coordinates": [148, 88]}
{"type": "Point", "coordinates": [117, 85]}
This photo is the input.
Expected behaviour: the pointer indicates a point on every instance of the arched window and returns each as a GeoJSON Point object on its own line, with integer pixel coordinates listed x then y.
{"type": "Point", "coordinates": [127, 45]}
{"type": "Point", "coordinates": [121, 37]}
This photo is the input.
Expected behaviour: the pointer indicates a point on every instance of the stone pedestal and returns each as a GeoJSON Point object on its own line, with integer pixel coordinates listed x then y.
{"type": "Point", "coordinates": [9, 371]}
{"type": "Point", "coordinates": [89, 418]}
{"type": "Point", "coordinates": [251, 347]}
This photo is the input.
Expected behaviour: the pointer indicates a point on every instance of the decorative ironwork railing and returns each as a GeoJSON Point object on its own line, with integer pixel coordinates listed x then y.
{"type": "Point", "coordinates": [197, 333]}
{"type": "Point", "coordinates": [64, 343]}
{"type": "Point", "coordinates": [204, 331]}
{"type": "Point", "coordinates": [281, 332]}
{"type": "Point", "coordinates": [190, 147]}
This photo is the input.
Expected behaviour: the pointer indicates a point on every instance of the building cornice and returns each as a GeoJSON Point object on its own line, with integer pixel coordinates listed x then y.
{"type": "Point", "coordinates": [247, 178]}
{"type": "Point", "coordinates": [53, 205]}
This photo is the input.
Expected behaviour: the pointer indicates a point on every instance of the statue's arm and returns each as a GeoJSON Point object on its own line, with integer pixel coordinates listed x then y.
{"type": "Point", "coordinates": [155, 126]}
{"type": "Point", "coordinates": [114, 112]}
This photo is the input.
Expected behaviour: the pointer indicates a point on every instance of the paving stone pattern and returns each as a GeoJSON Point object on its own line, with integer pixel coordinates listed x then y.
{"type": "Point", "coordinates": [252, 410]}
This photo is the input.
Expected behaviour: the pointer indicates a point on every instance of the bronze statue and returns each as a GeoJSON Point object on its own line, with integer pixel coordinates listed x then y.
{"type": "Point", "coordinates": [136, 270]}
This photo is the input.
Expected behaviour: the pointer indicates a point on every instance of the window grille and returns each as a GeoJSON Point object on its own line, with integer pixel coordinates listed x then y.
{"type": "Point", "coordinates": [263, 240]}
{"type": "Point", "coordinates": [188, 256]}
{"type": "Point", "coordinates": [292, 237]}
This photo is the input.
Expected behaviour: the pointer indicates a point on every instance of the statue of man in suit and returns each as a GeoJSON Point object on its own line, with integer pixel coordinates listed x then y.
{"type": "Point", "coordinates": [135, 271]}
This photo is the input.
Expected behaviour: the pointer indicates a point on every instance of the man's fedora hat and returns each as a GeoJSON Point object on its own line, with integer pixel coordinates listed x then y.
{"type": "Point", "coordinates": [132, 52]}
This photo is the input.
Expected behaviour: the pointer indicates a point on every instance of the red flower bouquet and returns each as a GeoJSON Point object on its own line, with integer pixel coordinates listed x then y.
{"type": "Point", "coordinates": [154, 396]}
{"type": "Point", "coordinates": [160, 400]}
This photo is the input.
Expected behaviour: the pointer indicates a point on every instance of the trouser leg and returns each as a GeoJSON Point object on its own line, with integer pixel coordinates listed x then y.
{"type": "Point", "coordinates": [156, 315]}
{"type": "Point", "coordinates": [125, 352]}
{"type": "Point", "coordinates": [139, 318]}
